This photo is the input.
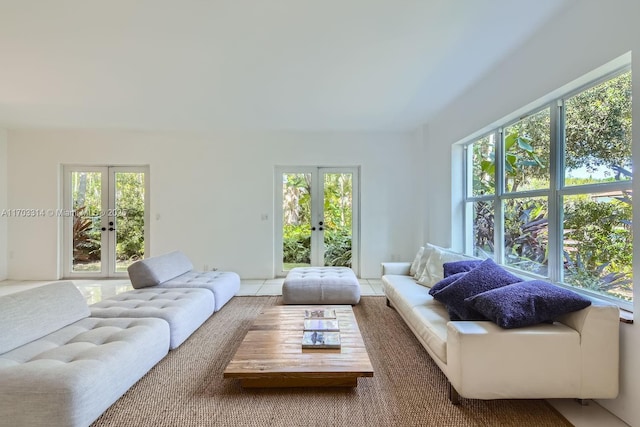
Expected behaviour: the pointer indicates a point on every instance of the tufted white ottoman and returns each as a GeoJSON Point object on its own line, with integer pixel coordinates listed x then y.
{"type": "Point", "coordinates": [184, 309]}
{"type": "Point", "coordinates": [321, 285]}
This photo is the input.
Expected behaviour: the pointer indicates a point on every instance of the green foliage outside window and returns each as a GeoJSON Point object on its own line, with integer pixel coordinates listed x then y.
{"type": "Point", "coordinates": [597, 228]}
{"type": "Point", "coordinates": [337, 219]}
{"type": "Point", "coordinates": [88, 214]}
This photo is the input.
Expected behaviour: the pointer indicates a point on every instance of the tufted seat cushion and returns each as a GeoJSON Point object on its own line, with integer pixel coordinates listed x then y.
{"type": "Point", "coordinates": [321, 285]}
{"type": "Point", "coordinates": [70, 376]}
{"type": "Point", "coordinates": [183, 309]}
{"type": "Point", "coordinates": [223, 284]}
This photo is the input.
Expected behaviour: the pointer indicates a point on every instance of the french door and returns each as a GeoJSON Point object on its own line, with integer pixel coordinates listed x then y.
{"type": "Point", "coordinates": [105, 215]}
{"type": "Point", "coordinates": [317, 217]}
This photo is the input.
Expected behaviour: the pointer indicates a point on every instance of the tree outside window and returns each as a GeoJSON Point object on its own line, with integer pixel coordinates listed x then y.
{"type": "Point", "coordinates": [592, 197]}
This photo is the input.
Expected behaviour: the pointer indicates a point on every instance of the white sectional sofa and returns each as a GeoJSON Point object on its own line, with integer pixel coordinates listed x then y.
{"type": "Point", "coordinates": [59, 367]}
{"type": "Point", "coordinates": [575, 356]}
{"type": "Point", "coordinates": [63, 363]}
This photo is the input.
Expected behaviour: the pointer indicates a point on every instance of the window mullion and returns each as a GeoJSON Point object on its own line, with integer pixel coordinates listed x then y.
{"type": "Point", "coordinates": [556, 169]}
{"type": "Point", "coordinates": [498, 225]}
{"type": "Point", "coordinates": [467, 216]}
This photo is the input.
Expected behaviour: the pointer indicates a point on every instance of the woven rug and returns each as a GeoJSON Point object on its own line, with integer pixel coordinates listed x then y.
{"type": "Point", "coordinates": [187, 389]}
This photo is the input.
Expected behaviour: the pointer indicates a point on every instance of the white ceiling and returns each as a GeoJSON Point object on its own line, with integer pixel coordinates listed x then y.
{"type": "Point", "coordinates": [324, 65]}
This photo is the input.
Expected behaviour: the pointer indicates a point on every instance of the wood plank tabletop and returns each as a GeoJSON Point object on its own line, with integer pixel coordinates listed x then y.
{"type": "Point", "coordinates": [271, 354]}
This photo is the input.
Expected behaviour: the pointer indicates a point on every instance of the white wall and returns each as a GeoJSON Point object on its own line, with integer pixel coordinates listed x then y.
{"type": "Point", "coordinates": [587, 35]}
{"type": "Point", "coordinates": [209, 191]}
{"type": "Point", "coordinates": [3, 204]}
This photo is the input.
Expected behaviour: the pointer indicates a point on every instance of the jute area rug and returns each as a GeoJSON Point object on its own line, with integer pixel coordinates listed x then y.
{"type": "Point", "coordinates": [187, 389]}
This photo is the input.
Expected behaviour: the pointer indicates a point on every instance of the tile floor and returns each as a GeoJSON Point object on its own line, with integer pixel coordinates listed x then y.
{"type": "Point", "coordinates": [592, 415]}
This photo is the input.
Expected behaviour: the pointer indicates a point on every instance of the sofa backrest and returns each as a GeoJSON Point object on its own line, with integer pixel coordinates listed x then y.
{"type": "Point", "coordinates": [28, 315]}
{"type": "Point", "coordinates": [156, 270]}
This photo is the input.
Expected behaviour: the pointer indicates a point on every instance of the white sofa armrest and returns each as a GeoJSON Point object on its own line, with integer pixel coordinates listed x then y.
{"type": "Point", "coordinates": [399, 268]}
{"type": "Point", "coordinates": [485, 361]}
{"type": "Point", "coordinates": [599, 328]}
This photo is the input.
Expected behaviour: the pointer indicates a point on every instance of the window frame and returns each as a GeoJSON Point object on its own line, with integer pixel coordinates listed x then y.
{"type": "Point", "coordinates": [555, 193]}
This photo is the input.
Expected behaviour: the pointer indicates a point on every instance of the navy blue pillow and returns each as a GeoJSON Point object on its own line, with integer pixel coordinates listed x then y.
{"type": "Point", "coordinates": [455, 267]}
{"type": "Point", "coordinates": [488, 275]}
{"type": "Point", "coordinates": [526, 303]}
{"type": "Point", "coordinates": [445, 282]}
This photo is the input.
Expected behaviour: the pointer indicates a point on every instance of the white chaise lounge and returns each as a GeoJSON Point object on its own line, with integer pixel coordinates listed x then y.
{"type": "Point", "coordinates": [175, 270]}
{"type": "Point", "coordinates": [184, 309]}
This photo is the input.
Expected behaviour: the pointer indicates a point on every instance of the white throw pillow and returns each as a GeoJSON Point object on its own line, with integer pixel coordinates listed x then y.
{"type": "Point", "coordinates": [416, 261]}
{"type": "Point", "coordinates": [433, 271]}
{"type": "Point", "coordinates": [422, 264]}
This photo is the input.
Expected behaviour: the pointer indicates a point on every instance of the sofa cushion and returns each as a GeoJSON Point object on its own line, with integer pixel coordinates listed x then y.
{"type": "Point", "coordinates": [455, 267]}
{"type": "Point", "coordinates": [404, 291]}
{"type": "Point", "coordinates": [488, 275]}
{"type": "Point", "coordinates": [28, 315]}
{"type": "Point", "coordinates": [422, 262]}
{"type": "Point", "coordinates": [183, 309]}
{"type": "Point", "coordinates": [429, 322]}
{"type": "Point", "coordinates": [433, 271]}
{"type": "Point", "coordinates": [223, 284]}
{"type": "Point", "coordinates": [71, 376]}
{"type": "Point", "coordinates": [159, 269]}
{"type": "Point", "coordinates": [526, 303]}
{"type": "Point", "coordinates": [416, 261]}
{"type": "Point", "coordinates": [445, 282]}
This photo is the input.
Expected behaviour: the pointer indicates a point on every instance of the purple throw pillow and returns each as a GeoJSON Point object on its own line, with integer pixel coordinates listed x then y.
{"type": "Point", "coordinates": [526, 303]}
{"type": "Point", "coordinates": [445, 282]}
{"type": "Point", "coordinates": [455, 267]}
{"type": "Point", "coordinates": [488, 275]}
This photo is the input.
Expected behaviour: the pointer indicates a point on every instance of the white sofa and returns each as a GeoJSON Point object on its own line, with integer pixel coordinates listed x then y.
{"type": "Point", "coordinates": [576, 356]}
{"type": "Point", "coordinates": [60, 367]}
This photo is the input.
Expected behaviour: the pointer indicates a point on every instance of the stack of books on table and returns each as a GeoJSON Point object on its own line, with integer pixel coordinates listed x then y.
{"type": "Point", "coordinates": [321, 329]}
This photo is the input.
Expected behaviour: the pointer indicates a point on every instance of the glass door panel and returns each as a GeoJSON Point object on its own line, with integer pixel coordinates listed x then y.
{"type": "Point", "coordinates": [87, 205]}
{"type": "Point", "coordinates": [128, 218]}
{"type": "Point", "coordinates": [338, 219]}
{"type": "Point", "coordinates": [296, 220]}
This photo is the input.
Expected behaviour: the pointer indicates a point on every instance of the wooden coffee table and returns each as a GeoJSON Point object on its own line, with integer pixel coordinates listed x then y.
{"type": "Point", "coordinates": [271, 354]}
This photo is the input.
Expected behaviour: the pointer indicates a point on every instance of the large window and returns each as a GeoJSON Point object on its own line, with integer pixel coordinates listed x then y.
{"type": "Point", "coordinates": [549, 193]}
